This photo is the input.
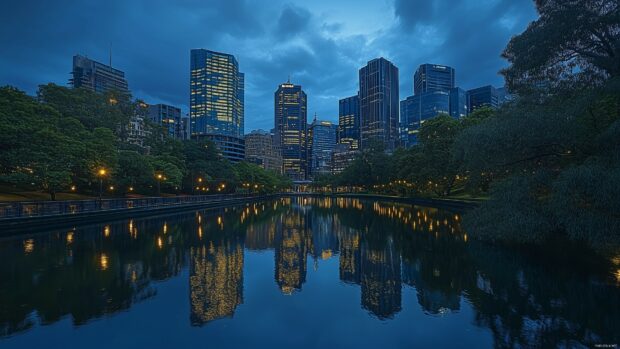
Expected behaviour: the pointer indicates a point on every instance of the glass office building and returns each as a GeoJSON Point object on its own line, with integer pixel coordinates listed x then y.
{"type": "Point", "coordinates": [349, 122]}
{"type": "Point", "coordinates": [416, 109]}
{"type": "Point", "coordinates": [217, 100]}
{"type": "Point", "coordinates": [378, 98]}
{"type": "Point", "coordinates": [458, 103]}
{"type": "Point", "coordinates": [97, 77]}
{"type": "Point", "coordinates": [485, 96]}
{"type": "Point", "coordinates": [291, 129]}
{"type": "Point", "coordinates": [321, 143]}
{"type": "Point", "coordinates": [169, 117]}
{"type": "Point", "coordinates": [433, 77]}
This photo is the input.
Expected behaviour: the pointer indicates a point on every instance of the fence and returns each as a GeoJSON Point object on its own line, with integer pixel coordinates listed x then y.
{"type": "Point", "coordinates": [48, 208]}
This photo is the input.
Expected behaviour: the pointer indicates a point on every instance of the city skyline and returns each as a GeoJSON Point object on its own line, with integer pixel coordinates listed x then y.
{"type": "Point", "coordinates": [316, 44]}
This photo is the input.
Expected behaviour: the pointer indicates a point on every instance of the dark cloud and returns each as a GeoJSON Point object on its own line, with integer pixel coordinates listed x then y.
{"type": "Point", "coordinates": [151, 40]}
{"type": "Point", "coordinates": [293, 20]}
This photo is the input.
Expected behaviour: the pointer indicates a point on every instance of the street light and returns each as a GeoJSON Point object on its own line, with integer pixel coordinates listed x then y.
{"type": "Point", "coordinates": [101, 173]}
{"type": "Point", "coordinates": [159, 178]}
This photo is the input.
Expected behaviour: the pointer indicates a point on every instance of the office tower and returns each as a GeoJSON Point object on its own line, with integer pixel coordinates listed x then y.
{"type": "Point", "coordinates": [458, 103]}
{"type": "Point", "coordinates": [97, 77]}
{"type": "Point", "coordinates": [349, 121]}
{"type": "Point", "coordinates": [416, 109]}
{"type": "Point", "coordinates": [291, 129]}
{"type": "Point", "coordinates": [216, 101]}
{"type": "Point", "coordinates": [503, 95]}
{"type": "Point", "coordinates": [485, 96]}
{"type": "Point", "coordinates": [321, 143]}
{"type": "Point", "coordinates": [169, 117]}
{"type": "Point", "coordinates": [136, 130]}
{"type": "Point", "coordinates": [433, 77]}
{"type": "Point", "coordinates": [378, 97]}
{"type": "Point", "coordinates": [261, 149]}
{"type": "Point", "coordinates": [186, 126]}
{"type": "Point", "coordinates": [342, 157]}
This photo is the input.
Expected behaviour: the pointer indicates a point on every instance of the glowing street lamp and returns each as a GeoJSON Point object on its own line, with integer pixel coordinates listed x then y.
{"type": "Point", "coordinates": [159, 177]}
{"type": "Point", "coordinates": [101, 173]}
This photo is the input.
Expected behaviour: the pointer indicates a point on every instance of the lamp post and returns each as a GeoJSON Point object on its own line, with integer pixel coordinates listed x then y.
{"type": "Point", "coordinates": [102, 172]}
{"type": "Point", "coordinates": [159, 178]}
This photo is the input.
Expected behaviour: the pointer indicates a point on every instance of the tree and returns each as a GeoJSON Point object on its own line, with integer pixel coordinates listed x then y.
{"type": "Point", "coordinates": [575, 40]}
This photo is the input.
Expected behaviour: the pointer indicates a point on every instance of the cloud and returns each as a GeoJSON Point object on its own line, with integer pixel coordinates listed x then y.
{"type": "Point", "coordinates": [321, 45]}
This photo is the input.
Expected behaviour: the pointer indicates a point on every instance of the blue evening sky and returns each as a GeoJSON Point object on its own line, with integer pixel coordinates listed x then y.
{"type": "Point", "coordinates": [321, 44]}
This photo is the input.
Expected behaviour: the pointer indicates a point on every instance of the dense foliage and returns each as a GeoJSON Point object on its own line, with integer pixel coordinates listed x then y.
{"type": "Point", "coordinates": [61, 139]}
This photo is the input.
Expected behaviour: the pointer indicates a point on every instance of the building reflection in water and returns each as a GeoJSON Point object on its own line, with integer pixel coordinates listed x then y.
{"type": "Point", "coordinates": [216, 280]}
{"type": "Point", "coordinates": [380, 247]}
{"type": "Point", "coordinates": [291, 244]}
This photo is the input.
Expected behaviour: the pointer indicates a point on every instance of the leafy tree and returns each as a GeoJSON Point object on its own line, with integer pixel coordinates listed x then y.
{"type": "Point", "coordinates": [574, 40]}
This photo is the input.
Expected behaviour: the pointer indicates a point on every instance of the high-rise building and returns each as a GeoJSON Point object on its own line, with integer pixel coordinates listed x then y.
{"type": "Point", "coordinates": [504, 95]}
{"type": "Point", "coordinates": [217, 101]}
{"type": "Point", "coordinates": [485, 96]}
{"type": "Point", "coordinates": [136, 130]}
{"type": "Point", "coordinates": [291, 129]}
{"type": "Point", "coordinates": [97, 77]}
{"type": "Point", "coordinates": [458, 103]}
{"type": "Point", "coordinates": [321, 143]}
{"type": "Point", "coordinates": [349, 121]}
{"type": "Point", "coordinates": [169, 117]}
{"type": "Point", "coordinates": [261, 149]}
{"type": "Point", "coordinates": [433, 77]}
{"type": "Point", "coordinates": [416, 109]}
{"type": "Point", "coordinates": [378, 97]}
{"type": "Point", "coordinates": [342, 157]}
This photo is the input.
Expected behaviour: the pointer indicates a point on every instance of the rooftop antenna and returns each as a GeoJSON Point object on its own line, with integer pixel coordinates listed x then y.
{"type": "Point", "coordinates": [314, 117]}
{"type": "Point", "coordinates": [289, 78]}
{"type": "Point", "coordinates": [110, 54]}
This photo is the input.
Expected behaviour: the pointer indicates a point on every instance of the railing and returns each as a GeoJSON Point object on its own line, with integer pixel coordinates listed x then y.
{"type": "Point", "coordinates": [48, 208]}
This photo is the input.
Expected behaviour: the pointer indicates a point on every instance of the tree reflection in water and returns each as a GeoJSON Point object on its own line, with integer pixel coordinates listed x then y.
{"type": "Point", "coordinates": [539, 297]}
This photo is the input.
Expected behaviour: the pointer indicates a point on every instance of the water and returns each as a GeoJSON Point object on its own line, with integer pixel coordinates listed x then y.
{"type": "Point", "coordinates": [303, 273]}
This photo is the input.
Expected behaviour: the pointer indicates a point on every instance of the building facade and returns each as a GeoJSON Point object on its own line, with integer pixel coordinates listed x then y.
{"type": "Point", "coordinates": [217, 100]}
{"type": "Point", "coordinates": [321, 143]}
{"type": "Point", "coordinates": [349, 121]}
{"type": "Point", "coordinates": [433, 77]}
{"type": "Point", "coordinates": [342, 157]}
{"type": "Point", "coordinates": [169, 117]}
{"type": "Point", "coordinates": [291, 129]}
{"type": "Point", "coordinates": [97, 77]}
{"type": "Point", "coordinates": [229, 147]}
{"type": "Point", "coordinates": [458, 103]}
{"type": "Point", "coordinates": [416, 109]}
{"type": "Point", "coordinates": [485, 96]}
{"type": "Point", "coordinates": [261, 149]}
{"type": "Point", "coordinates": [378, 98]}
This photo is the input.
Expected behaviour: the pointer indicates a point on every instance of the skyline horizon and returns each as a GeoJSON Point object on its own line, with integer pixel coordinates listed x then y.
{"type": "Point", "coordinates": [320, 45]}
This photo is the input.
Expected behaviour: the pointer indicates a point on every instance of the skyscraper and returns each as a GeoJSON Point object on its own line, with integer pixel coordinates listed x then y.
{"type": "Point", "coordinates": [349, 122]}
{"type": "Point", "coordinates": [291, 129]}
{"type": "Point", "coordinates": [216, 101]}
{"type": "Point", "coordinates": [97, 77]}
{"type": "Point", "coordinates": [261, 149]}
{"type": "Point", "coordinates": [458, 103]}
{"type": "Point", "coordinates": [169, 117]}
{"type": "Point", "coordinates": [485, 96]}
{"type": "Point", "coordinates": [321, 143]}
{"type": "Point", "coordinates": [433, 77]}
{"type": "Point", "coordinates": [378, 96]}
{"type": "Point", "coordinates": [416, 109]}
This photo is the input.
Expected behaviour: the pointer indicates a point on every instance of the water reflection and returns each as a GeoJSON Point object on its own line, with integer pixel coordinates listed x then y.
{"type": "Point", "coordinates": [523, 299]}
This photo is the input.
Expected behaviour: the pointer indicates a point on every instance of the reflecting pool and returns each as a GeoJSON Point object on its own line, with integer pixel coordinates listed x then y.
{"type": "Point", "coordinates": [299, 273]}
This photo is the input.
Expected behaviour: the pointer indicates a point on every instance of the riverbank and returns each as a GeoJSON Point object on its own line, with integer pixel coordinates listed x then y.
{"type": "Point", "coordinates": [456, 205]}
{"type": "Point", "coordinates": [24, 217]}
